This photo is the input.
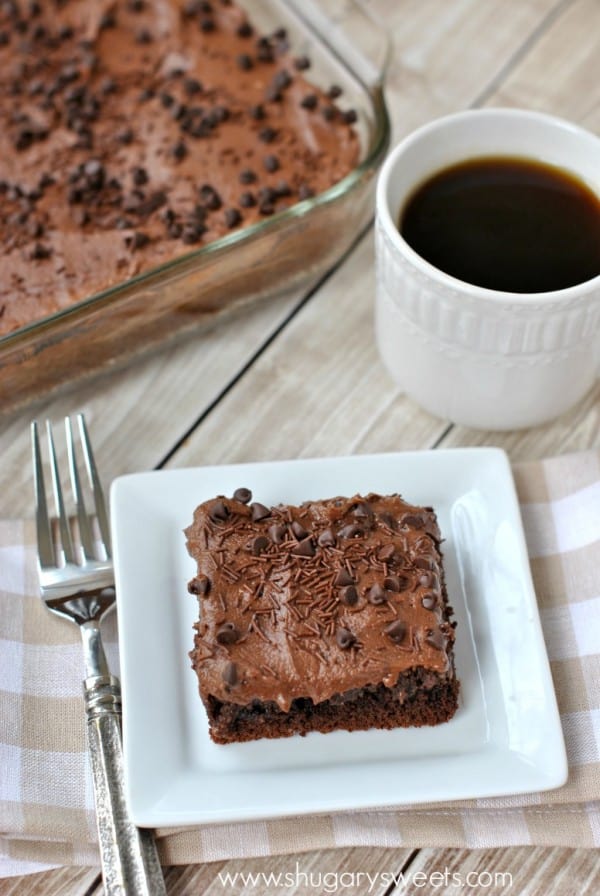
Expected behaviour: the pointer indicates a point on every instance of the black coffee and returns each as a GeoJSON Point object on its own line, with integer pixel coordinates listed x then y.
{"type": "Point", "coordinates": [507, 224]}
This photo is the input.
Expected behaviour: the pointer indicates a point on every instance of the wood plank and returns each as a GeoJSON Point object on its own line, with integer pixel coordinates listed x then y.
{"type": "Point", "coordinates": [576, 430]}
{"type": "Point", "coordinates": [63, 881]}
{"type": "Point", "coordinates": [559, 74]}
{"type": "Point", "coordinates": [527, 871]}
{"type": "Point", "coordinates": [320, 389]}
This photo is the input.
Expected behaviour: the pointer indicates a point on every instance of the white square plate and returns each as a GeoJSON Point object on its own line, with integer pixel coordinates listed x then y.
{"type": "Point", "coordinates": [505, 738]}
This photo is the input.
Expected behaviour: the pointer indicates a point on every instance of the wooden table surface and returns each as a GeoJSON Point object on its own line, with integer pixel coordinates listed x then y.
{"type": "Point", "coordinates": [301, 377]}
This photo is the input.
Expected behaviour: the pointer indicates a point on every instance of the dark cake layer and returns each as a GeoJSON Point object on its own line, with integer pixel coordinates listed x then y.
{"type": "Point", "coordinates": [369, 707]}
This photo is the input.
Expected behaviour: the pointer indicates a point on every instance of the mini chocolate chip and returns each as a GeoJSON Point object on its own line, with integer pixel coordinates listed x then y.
{"type": "Point", "coordinates": [245, 30]}
{"type": "Point", "coordinates": [140, 176]}
{"type": "Point", "coordinates": [207, 25]}
{"type": "Point", "coordinates": [436, 639]}
{"type": "Point", "coordinates": [260, 543]}
{"type": "Point", "coordinates": [327, 539]}
{"type": "Point", "coordinates": [138, 240]}
{"type": "Point", "coordinates": [282, 188]}
{"type": "Point", "coordinates": [179, 151]}
{"type": "Point", "coordinates": [345, 638]}
{"type": "Point", "coordinates": [362, 511]}
{"type": "Point", "coordinates": [267, 134]}
{"type": "Point", "coordinates": [282, 79]}
{"type": "Point", "coordinates": [266, 208]}
{"type": "Point", "coordinates": [396, 631]}
{"type": "Point", "coordinates": [305, 192]}
{"type": "Point", "coordinates": [40, 252]}
{"type": "Point", "coordinates": [108, 20]}
{"type": "Point", "coordinates": [143, 36]}
{"type": "Point", "coordinates": [247, 176]}
{"type": "Point", "coordinates": [304, 548]}
{"type": "Point", "coordinates": [277, 533]}
{"type": "Point", "coordinates": [230, 674]}
{"type": "Point", "coordinates": [334, 91]}
{"type": "Point", "coordinates": [429, 601]}
{"type": "Point", "coordinates": [192, 233]}
{"type": "Point", "coordinates": [310, 101]}
{"type": "Point", "coordinates": [232, 217]}
{"type": "Point", "coordinates": [350, 531]}
{"type": "Point", "coordinates": [343, 577]}
{"type": "Point", "coordinates": [259, 511]}
{"type": "Point", "coordinates": [411, 520]}
{"type": "Point", "coordinates": [386, 553]}
{"type": "Point", "coordinates": [227, 634]}
{"type": "Point", "coordinates": [396, 583]}
{"type": "Point", "coordinates": [328, 112]}
{"type": "Point", "coordinates": [244, 495]}
{"type": "Point", "coordinates": [210, 198]}
{"type": "Point", "coordinates": [218, 511]}
{"type": "Point", "coordinates": [377, 594]}
{"type": "Point", "coordinates": [349, 117]}
{"type": "Point", "coordinates": [301, 63]}
{"type": "Point", "coordinates": [350, 595]}
{"type": "Point", "coordinates": [424, 563]}
{"type": "Point", "coordinates": [257, 112]}
{"type": "Point", "coordinates": [199, 585]}
{"type": "Point", "coordinates": [244, 62]}
{"type": "Point", "coordinates": [299, 530]}
{"type": "Point", "coordinates": [136, 5]}
{"type": "Point", "coordinates": [192, 86]}
{"type": "Point", "coordinates": [247, 200]}
{"type": "Point", "coordinates": [264, 52]}
{"type": "Point", "coordinates": [125, 137]}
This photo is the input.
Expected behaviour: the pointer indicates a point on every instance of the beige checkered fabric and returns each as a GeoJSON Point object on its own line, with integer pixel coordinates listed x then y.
{"type": "Point", "coordinates": [46, 799]}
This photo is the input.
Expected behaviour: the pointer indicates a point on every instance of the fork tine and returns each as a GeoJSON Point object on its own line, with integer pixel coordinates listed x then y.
{"type": "Point", "coordinates": [65, 532]}
{"type": "Point", "coordinates": [42, 520]}
{"type": "Point", "coordinates": [85, 532]}
{"type": "Point", "coordinates": [96, 485]}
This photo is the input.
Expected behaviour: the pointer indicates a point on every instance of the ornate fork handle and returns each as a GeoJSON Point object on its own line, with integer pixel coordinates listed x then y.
{"type": "Point", "coordinates": [129, 857]}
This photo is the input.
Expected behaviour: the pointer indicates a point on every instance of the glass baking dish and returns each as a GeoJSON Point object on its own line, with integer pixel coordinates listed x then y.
{"type": "Point", "coordinates": [281, 253]}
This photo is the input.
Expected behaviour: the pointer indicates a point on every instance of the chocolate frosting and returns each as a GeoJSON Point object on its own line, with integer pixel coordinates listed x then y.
{"type": "Point", "coordinates": [134, 131]}
{"type": "Point", "coordinates": [316, 600]}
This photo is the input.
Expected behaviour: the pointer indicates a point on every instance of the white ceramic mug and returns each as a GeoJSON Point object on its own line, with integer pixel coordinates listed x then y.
{"type": "Point", "coordinates": [476, 356]}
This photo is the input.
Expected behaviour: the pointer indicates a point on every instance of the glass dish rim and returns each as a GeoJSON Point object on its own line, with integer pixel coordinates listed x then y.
{"type": "Point", "coordinates": [376, 149]}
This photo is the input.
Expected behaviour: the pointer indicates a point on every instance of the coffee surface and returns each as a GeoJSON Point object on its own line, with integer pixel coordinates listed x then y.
{"type": "Point", "coordinates": [508, 224]}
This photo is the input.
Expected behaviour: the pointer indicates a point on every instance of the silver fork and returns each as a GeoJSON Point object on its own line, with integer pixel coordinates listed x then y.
{"type": "Point", "coordinates": [77, 583]}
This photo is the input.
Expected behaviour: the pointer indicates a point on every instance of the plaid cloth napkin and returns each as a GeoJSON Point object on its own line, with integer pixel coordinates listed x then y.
{"type": "Point", "coordinates": [46, 798]}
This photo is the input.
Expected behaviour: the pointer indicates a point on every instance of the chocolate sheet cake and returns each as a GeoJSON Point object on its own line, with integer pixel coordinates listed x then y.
{"type": "Point", "coordinates": [329, 615]}
{"type": "Point", "coordinates": [134, 131]}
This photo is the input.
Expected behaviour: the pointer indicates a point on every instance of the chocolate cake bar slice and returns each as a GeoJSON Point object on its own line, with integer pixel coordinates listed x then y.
{"type": "Point", "coordinates": [332, 614]}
